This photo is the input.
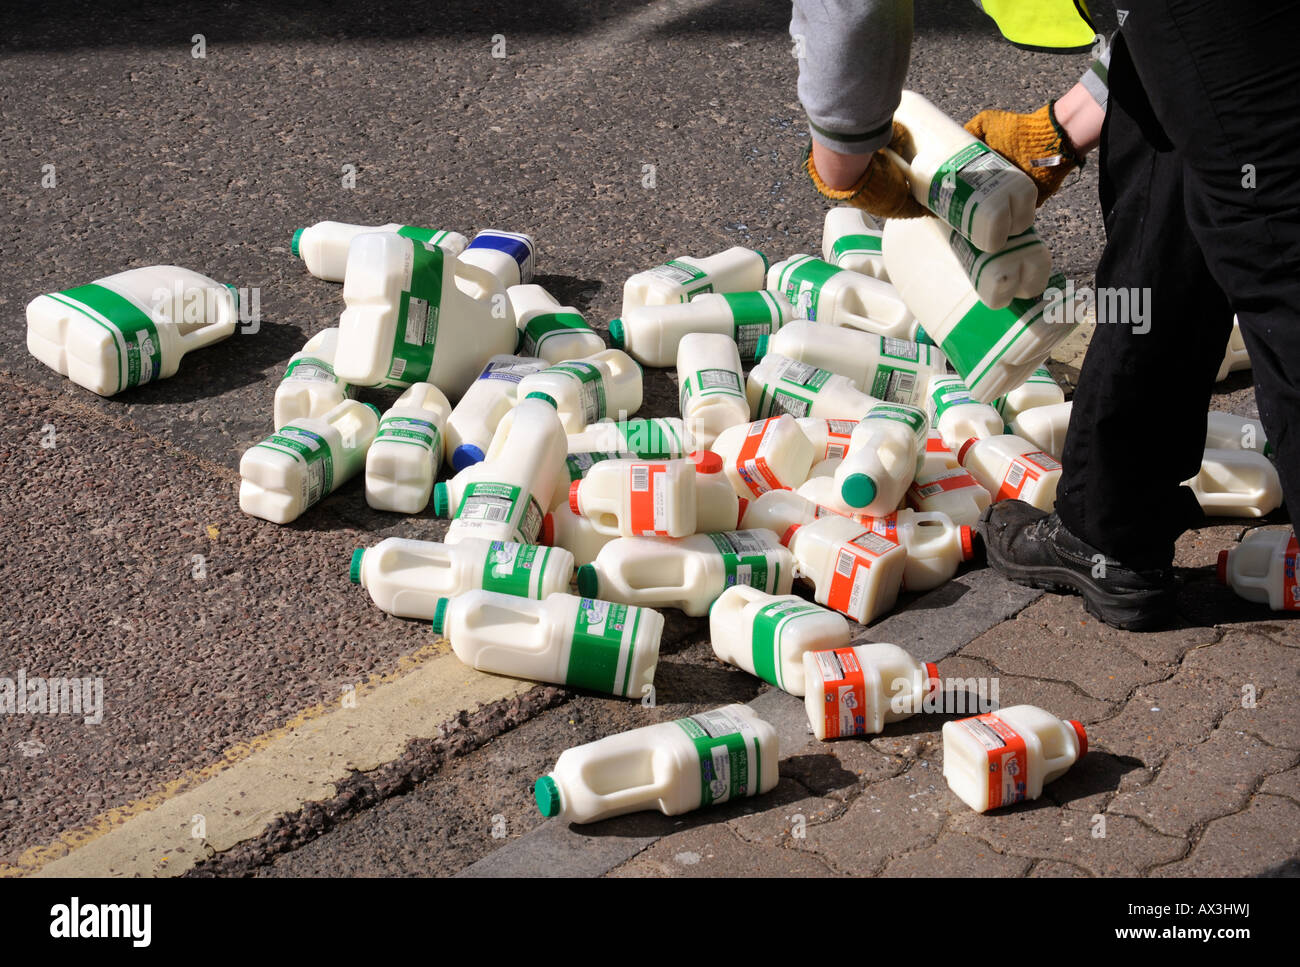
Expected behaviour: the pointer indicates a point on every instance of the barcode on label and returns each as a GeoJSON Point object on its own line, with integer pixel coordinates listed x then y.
{"type": "Point", "coordinates": [844, 565]}
{"type": "Point", "coordinates": [793, 371]}
{"type": "Point", "coordinates": [899, 348]}
{"type": "Point", "coordinates": [1014, 475]}
{"type": "Point", "coordinates": [640, 478]}
{"type": "Point", "coordinates": [985, 735]}
{"type": "Point", "coordinates": [829, 662]}
{"type": "Point", "coordinates": [396, 370]}
{"type": "Point", "coordinates": [746, 542]}
{"type": "Point", "coordinates": [901, 384]}
{"type": "Point", "coordinates": [1044, 460]}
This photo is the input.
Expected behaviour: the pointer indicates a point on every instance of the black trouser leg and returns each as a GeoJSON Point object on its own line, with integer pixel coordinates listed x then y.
{"type": "Point", "coordinates": [1137, 429]}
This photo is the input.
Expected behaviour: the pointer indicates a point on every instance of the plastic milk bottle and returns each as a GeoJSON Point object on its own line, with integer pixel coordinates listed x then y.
{"type": "Point", "coordinates": [404, 458]}
{"type": "Point", "coordinates": [1010, 468]}
{"type": "Point", "coordinates": [957, 415]}
{"type": "Point", "coordinates": [769, 454]}
{"type": "Point", "coordinates": [1235, 356]}
{"type": "Point", "coordinates": [767, 634]}
{"type": "Point", "coordinates": [408, 578]}
{"type": "Point", "coordinates": [824, 293]}
{"type": "Point", "coordinates": [305, 461]}
{"type": "Point", "coordinates": [415, 314]}
{"type": "Point", "coordinates": [885, 453]}
{"type": "Point", "coordinates": [1007, 756]}
{"type": "Point", "coordinates": [1227, 431]}
{"type": "Point", "coordinates": [1040, 389]}
{"type": "Point", "coordinates": [653, 334]}
{"type": "Point", "coordinates": [658, 437]}
{"type": "Point", "coordinates": [1236, 483]}
{"type": "Point", "coordinates": [852, 569]}
{"type": "Point", "coordinates": [584, 391]}
{"type": "Point", "coordinates": [578, 535]}
{"type": "Point", "coordinates": [859, 690]}
{"type": "Point", "coordinates": [131, 328]}
{"type": "Point", "coordinates": [551, 331]}
{"type": "Point", "coordinates": [562, 638]}
{"type": "Point", "coordinates": [639, 498]}
{"type": "Point", "coordinates": [937, 455]}
{"type": "Point", "coordinates": [675, 767]}
{"type": "Point", "coordinates": [1044, 426]}
{"type": "Point", "coordinates": [952, 492]}
{"type": "Point", "coordinates": [1262, 568]}
{"type": "Point", "coordinates": [681, 279]}
{"type": "Point", "coordinates": [489, 398]}
{"type": "Point", "coordinates": [830, 438]}
{"type": "Point", "coordinates": [689, 573]}
{"type": "Point", "coordinates": [994, 350]}
{"type": "Point", "coordinates": [852, 239]}
{"type": "Point", "coordinates": [710, 386]}
{"type": "Point", "coordinates": [961, 179]}
{"type": "Point", "coordinates": [782, 385]}
{"type": "Point", "coordinates": [509, 256]}
{"type": "Point", "coordinates": [894, 370]}
{"type": "Point", "coordinates": [309, 387]}
{"type": "Point", "coordinates": [323, 247]}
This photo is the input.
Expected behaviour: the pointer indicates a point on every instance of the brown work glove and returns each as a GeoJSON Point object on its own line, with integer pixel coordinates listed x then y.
{"type": "Point", "coordinates": [1035, 143]}
{"type": "Point", "coordinates": [882, 190]}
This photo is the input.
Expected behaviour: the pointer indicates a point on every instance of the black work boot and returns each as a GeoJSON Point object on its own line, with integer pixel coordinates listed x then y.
{"type": "Point", "coordinates": [1033, 548]}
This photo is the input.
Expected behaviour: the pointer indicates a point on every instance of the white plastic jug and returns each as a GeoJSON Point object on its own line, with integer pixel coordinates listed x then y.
{"type": "Point", "coordinates": [824, 492]}
{"type": "Point", "coordinates": [994, 350]}
{"type": "Point", "coordinates": [781, 510]}
{"type": "Point", "coordinates": [1044, 426]}
{"type": "Point", "coordinates": [767, 635]}
{"type": "Point", "coordinates": [938, 457]}
{"type": "Point", "coordinates": [687, 574]}
{"type": "Point", "coordinates": [961, 179]}
{"type": "Point", "coordinates": [585, 391]}
{"type": "Point", "coordinates": [1227, 431]}
{"type": "Point", "coordinates": [416, 314]}
{"type": "Point", "coordinates": [306, 461]}
{"type": "Point", "coordinates": [839, 297]}
{"type": "Point", "coordinates": [893, 370]}
{"type": "Point", "coordinates": [1019, 270]}
{"type": "Point", "coordinates": [885, 452]}
{"type": "Point", "coordinates": [510, 256]}
{"type": "Point", "coordinates": [675, 767]}
{"type": "Point", "coordinates": [681, 279]}
{"type": "Point", "coordinates": [551, 331]}
{"type": "Point", "coordinates": [404, 458]}
{"type": "Point", "coordinates": [779, 385]}
{"type": "Point", "coordinates": [852, 239]}
{"type": "Point", "coordinates": [710, 386]}
{"type": "Point", "coordinates": [504, 497]}
{"type": "Point", "coordinates": [579, 463]}
{"type": "Point", "coordinates": [958, 416]}
{"type": "Point", "coordinates": [954, 492]}
{"type": "Point", "coordinates": [769, 454]}
{"type": "Point", "coordinates": [577, 535]}
{"type": "Point", "coordinates": [657, 437]}
{"type": "Point", "coordinates": [475, 418]}
{"type": "Point", "coordinates": [830, 438]}
{"type": "Point", "coordinates": [936, 545]}
{"type": "Point", "coordinates": [131, 328]}
{"type": "Point", "coordinates": [1236, 483]}
{"type": "Point", "coordinates": [851, 568]}
{"type": "Point", "coordinates": [653, 334]}
{"type": "Point", "coordinates": [323, 247]}
{"type": "Point", "coordinates": [859, 690]}
{"type": "Point", "coordinates": [1262, 568]}
{"type": "Point", "coordinates": [1007, 756]}
{"type": "Point", "coordinates": [309, 387]}
{"type": "Point", "coordinates": [1235, 356]}
{"type": "Point", "coordinates": [408, 578]}
{"type": "Point", "coordinates": [1010, 468]}
{"type": "Point", "coordinates": [1040, 389]}
{"type": "Point", "coordinates": [639, 498]}
{"type": "Point", "coordinates": [564, 639]}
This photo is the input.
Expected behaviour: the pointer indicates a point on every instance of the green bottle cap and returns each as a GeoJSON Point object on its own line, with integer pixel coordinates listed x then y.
{"type": "Point", "coordinates": [760, 347]}
{"type": "Point", "coordinates": [440, 615]}
{"type": "Point", "coordinates": [441, 500]}
{"type": "Point", "coordinates": [588, 581]}
{"type": "Point", "coordinates": [378, 414]}
{"type": "Point", "coordinates": [293, 246]}
{"type": "Point", "coordinates": [354, 569]}
{"type": "Point", "coordinates": [616, 333]}
{"type": "Point", "coordinates": [547, 795]}
{"type": "Point", "coordinates": [858, 490]}
{"type": "Point", "coordinates": [766, 264]}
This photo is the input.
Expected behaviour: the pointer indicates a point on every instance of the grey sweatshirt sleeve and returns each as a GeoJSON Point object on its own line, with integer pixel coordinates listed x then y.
{"type": "Point", "coordinates": [1094, 78]}
{"type": "Point", "coordinates": [853, 57]}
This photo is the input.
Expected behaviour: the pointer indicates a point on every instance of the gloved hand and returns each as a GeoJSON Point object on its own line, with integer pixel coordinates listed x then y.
{"type": "Point", "coordinates": [1035, 143]}
{"type": "Point", "coordinates": [882, 190]}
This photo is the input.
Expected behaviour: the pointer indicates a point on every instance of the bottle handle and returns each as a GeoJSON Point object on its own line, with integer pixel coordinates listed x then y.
{"type": "Point", "coordinates": [213, 332]}
{"type": "Point", "coordinates": [482, 279]}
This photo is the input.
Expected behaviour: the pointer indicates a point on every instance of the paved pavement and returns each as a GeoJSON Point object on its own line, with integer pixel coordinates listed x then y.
{"type": "Point", "coordinates": [228, 645]}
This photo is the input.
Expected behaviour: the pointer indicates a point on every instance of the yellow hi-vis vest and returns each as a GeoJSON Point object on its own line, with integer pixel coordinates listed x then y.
{"type": "Point", "coordinates": [1055, 26]}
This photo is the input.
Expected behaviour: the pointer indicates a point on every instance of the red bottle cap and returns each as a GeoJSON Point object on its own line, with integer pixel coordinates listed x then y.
{"type": "Point", "coordinates": [740, 514]}
{"type": "Point", "coordinates": [1083, 737]}
{"type": "Point", "coordinates": [1223, 567]}
{"type": "Point", "coordinates": [547, 536]}
{"type": "Point", "coordinates": [785, 538]}
{"type": "Point", "coordinates": [967, 543]}
{"type": "Point", "coordinates": [932, 675]}
{"type": "Point", "coordinates": [961, 454]}
{"type": "Point", "coordinates": [573, 496]}
{"type": "Point", "coordinates": [706, 461]}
